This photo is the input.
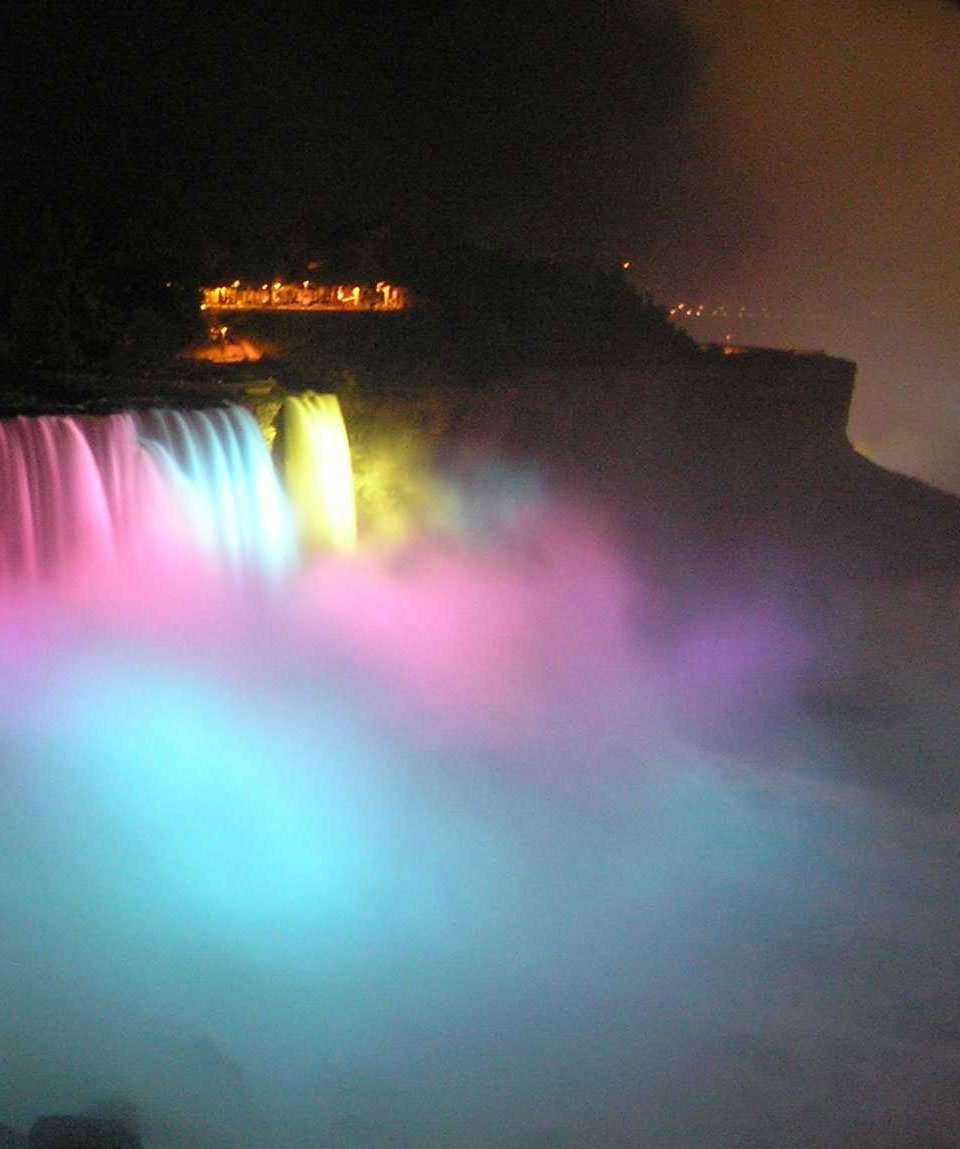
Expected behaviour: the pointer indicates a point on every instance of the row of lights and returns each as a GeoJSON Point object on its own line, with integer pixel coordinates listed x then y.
{"type": "Point", "coordinates": [698, 310]}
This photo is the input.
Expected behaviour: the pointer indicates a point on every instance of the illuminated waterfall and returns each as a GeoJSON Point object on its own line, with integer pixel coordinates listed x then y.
{"type": "Point", "coordinates": [218, 464]}
{"type": "Point", "coordinates": [313, 456]}
{"type": "Point", "coordinates": [73, 492]}
{"type": "Point", "coordinates": [78, 494]}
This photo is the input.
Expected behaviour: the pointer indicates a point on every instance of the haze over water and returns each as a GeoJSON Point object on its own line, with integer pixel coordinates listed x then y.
{"type": "Point", "coordinates": [439, 848]}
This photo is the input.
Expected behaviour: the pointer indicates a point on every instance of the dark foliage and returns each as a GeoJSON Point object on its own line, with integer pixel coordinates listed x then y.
{"type": "Point", "coordinates": [12, 1138]}
{"type": "Point", "coordinates": [87, 286]}
{"type": "Point", "coordinates": [80, 289]}
{"type": "Point", "coordinates": [499, 313]}
{"type": "Point", "coordinates": [62, 1132]}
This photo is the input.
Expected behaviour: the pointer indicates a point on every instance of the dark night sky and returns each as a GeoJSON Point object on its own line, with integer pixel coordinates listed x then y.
{"type": "Point", "coordinates": [723, 145]}
{"type": "Point", "coordinates": [787, 151]}
{"type": "Point", "coordinates": [551, 130]}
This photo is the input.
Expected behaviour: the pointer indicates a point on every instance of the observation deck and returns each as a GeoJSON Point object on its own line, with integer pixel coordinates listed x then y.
{"type": "Point", "coordinates": [305, 296]}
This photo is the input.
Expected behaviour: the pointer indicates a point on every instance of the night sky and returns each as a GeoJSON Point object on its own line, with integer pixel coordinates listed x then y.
{"type": "Point", "coordinates": [726, 148]}
{"type": "Point", "coordinates": [801, 155]}
{"type": "Point", "coordinates": [552, 131]}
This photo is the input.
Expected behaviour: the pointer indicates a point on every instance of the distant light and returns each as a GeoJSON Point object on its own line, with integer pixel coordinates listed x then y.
{"type": "Point", "coordinates": [236, 283]}
{"type": "Point", "coordinates": [626, 265]}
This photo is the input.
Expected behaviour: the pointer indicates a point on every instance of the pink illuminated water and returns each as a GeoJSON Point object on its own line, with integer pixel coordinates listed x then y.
{"type": "Point", "coordinates": [87, 494]}
{"type": "Point", "coordinates": [63, 491]}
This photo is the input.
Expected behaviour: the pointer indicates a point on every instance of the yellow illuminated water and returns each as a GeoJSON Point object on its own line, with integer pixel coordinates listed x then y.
{"type": "Point", "coordinates": [313, 455]}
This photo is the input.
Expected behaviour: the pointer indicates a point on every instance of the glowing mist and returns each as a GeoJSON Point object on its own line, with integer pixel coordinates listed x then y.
{"type": "Point", "coordinates": [411, 854]}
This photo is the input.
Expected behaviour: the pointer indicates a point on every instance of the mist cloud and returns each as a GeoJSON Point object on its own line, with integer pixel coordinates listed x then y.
{"type": "Point", "coordinates": [417, 853]}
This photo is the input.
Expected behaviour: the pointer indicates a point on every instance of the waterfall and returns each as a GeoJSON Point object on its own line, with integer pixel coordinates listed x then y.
{"type": "Point", "coordinates": [81, 493]}
{"type": "Point", "coordinates": [71, 490]}
{"type": "Point", "coordinates": [313, 456]}
{"type": "Point", "coordinates": [218, 466]}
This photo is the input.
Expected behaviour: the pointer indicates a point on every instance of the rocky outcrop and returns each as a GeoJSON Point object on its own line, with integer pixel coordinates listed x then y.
{"type": "Point", "coordinates": [63, 1132]}
{"type": "Point", "coordinates": [12, 1138]}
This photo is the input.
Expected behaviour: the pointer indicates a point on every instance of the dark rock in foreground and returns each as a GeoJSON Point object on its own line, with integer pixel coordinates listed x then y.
{"type": "Point", "coordinates": [12, 1138]}
{"type": "Point", "coordinates": [61, 1132]}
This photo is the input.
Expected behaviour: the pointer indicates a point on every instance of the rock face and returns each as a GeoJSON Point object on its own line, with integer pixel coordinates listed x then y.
{"type": "Point", "coordinates": [62, 1132]}
{"type": "Point", "coordinates": [12, 1138]}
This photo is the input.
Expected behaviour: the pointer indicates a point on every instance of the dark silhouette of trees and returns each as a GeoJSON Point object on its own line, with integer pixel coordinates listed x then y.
{"type": "Point", "coordinates": [55, 298]}
{"type": "Point", "coordinates": [79, 288]}
{"type": "Point", "coordinates": [501, 313]}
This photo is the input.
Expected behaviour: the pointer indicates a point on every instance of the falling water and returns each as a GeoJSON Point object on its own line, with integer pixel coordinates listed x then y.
{"type": "Point", "coordinates": [218, 464]}
{"type": "Point", "coordinates": [73, 492]}
{"type": "Point", "coordinates": [313, 454]}
{"type": "Point", "coordinates": [82, 493]}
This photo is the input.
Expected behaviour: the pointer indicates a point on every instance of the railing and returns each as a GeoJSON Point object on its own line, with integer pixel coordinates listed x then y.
{"type": "Point", "coordinates": [305, 296]}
